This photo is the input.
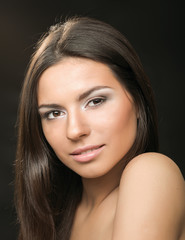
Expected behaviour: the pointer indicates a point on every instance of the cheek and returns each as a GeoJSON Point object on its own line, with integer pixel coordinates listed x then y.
{"type": "Point", "coordinates": [119, 130]}
{"type": "Point", "coordinates": [54, 135]}
{"type": "Point", "coordinates": [126, 120]}
{"type": "Point", "coordinates": [122, 133]}
{"type": "Point", "coordinates": [116, 120]}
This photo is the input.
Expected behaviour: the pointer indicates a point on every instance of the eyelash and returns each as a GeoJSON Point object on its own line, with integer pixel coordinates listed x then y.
{"type": "Point", "coordinates": [46, 114]}
{"type": "Point", "coordinates": [100, 100]}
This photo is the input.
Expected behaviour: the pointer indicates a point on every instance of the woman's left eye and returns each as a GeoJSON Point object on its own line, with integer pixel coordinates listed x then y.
{"type": "Point", "coordinates": [95, 102]}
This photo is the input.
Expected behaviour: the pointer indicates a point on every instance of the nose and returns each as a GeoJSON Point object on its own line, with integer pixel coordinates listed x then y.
{"type": "Point", "coordinates": [77, 126]}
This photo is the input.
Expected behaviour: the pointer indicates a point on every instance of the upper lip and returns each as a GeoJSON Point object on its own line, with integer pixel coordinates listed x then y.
{"type": "Point", "coordinates": [86, 148]}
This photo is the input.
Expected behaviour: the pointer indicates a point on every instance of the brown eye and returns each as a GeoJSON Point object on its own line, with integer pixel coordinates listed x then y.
{"type": "Point", "coordinates": [55, 114]}
{"type": "Point", "coordinates": [96, 102]}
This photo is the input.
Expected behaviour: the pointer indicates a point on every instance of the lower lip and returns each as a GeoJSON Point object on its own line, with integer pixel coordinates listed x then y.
{"type": "Point", "coordinates": [86, 157]}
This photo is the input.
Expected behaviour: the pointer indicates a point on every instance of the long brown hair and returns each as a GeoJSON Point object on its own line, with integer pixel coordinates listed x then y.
{"type": "Point", "coordinates": [46, 191]}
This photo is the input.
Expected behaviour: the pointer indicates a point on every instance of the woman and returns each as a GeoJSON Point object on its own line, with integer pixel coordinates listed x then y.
{"type": "Point", "coordinates": [87, 165]}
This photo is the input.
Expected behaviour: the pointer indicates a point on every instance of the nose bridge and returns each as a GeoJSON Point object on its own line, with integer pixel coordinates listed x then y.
{"type": "Point", "coordinates": [77, 125]}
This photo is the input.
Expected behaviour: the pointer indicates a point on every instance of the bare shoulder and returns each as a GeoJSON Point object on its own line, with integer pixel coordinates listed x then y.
{"type": "Point", "coordinates": [157, 171]}
{"type": "Point", "coordinates": [152, 165]}
{"type": "Point", "coordinates": [151, 200]}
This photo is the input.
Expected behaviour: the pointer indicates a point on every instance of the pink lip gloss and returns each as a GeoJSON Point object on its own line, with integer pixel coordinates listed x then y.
{"type": "Point", "coordinates": [87, 155]}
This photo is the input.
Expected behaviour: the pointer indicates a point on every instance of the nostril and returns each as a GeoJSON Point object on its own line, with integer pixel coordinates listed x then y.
{"type": "Point", "coordinates": [77, 132]}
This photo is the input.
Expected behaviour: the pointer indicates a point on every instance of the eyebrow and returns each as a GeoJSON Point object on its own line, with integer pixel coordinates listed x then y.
{"type": "Point", "coordinates": [81, 97]}
{"type": "Point", "coordinates": [51, 106]}
{"type": "Point", "coordinates": [88, 92]}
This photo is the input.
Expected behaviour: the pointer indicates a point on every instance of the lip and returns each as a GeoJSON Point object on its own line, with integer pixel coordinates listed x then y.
{"type": "Point", "coordinates": [87, 153]}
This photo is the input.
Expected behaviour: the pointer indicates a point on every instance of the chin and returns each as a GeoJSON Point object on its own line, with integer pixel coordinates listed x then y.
{"type": "Point", "coordinates": [92, 173]}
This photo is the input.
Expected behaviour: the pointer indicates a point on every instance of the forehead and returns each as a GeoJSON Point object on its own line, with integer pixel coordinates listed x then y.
{"type": "Point", "coordinates": [73, 75]}
{"type": "Point", "coordinates": [74, 68]}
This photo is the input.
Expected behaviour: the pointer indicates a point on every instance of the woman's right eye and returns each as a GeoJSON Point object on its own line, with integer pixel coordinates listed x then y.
{"type": "Point", "coordinates": [53, 114]}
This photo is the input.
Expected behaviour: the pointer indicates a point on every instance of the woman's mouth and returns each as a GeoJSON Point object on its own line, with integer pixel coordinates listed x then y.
{"type": "Point", "coordinates": [86, 154]}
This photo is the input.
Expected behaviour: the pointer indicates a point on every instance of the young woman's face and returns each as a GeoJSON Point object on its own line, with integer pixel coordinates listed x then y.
{"type": "Point", "coordinates": [87, 117]}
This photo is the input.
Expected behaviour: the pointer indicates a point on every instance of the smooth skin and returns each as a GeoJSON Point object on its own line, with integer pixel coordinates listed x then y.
{"type": "Point", "coordinates": [82, 104]}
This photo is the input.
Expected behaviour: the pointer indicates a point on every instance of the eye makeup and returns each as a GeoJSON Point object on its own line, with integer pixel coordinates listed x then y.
{"type": "Point", "coordinates": [90, 99]}
{"type": "Point", "coordinates": [52, 114]}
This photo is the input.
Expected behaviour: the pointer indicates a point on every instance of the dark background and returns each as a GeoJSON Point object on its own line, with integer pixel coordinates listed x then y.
{"type": "Point", "coordinates": [155, 29]}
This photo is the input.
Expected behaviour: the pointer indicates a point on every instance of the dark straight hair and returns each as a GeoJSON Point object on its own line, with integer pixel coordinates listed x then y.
{"type": "Point", "coordinates": [46, 191]}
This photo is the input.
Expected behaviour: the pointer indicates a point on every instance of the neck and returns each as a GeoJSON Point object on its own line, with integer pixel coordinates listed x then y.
{"type": "Point", "coordinates": [96, 190]}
